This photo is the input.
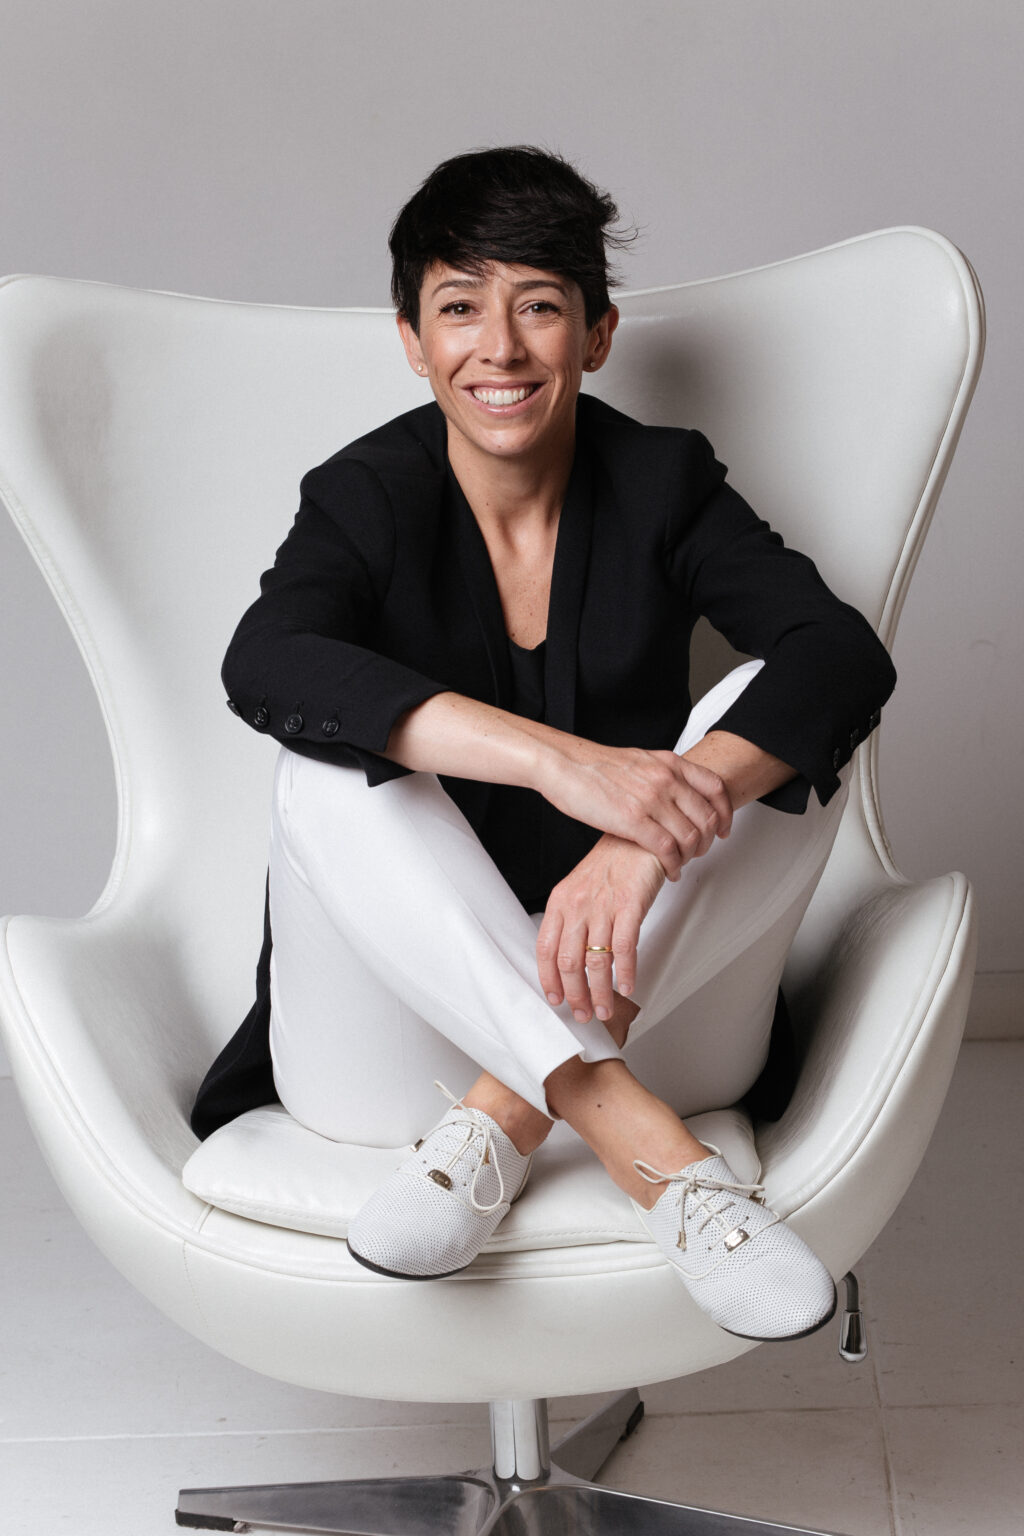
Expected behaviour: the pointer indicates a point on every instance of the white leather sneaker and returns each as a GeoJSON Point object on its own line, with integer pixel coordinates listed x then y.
{"type": "Point", "coordinates": [436, 1211]}
{"type": "Point", "coordinates": [740, 1262]}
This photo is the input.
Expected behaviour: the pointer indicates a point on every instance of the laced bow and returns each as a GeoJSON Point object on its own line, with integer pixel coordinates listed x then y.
{"type": "Point", "coordinates": [487, 1155]}
{"type": "Point", "coordinates": [700, 1187]}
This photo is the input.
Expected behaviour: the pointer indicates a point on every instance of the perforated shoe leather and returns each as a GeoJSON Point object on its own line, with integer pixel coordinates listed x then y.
{"type": "Point", "coordinates": [740, 1262]}
{"type": "Point", "coordinates": [436, 1211]}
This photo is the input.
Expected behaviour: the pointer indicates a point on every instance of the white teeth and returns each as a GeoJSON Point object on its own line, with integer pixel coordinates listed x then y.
{"type": "Point", "coordinates": [500, 396]}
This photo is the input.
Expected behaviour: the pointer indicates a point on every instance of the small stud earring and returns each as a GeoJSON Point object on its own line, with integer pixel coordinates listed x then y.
{"type": "Point", "coordinates": [419, 367]}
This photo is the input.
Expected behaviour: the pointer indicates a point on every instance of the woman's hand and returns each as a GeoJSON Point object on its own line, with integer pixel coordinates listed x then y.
{"type": "Point", "coordinates": [671, 806]}
{"type": "Point", "coordinates": [602, 902]}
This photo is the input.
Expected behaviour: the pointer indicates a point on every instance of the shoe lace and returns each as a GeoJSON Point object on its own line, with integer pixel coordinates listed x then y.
{"type": "Point", "coordinates": [700, 1188]}
{"type": "Point", "coordinates": [486, 1155]}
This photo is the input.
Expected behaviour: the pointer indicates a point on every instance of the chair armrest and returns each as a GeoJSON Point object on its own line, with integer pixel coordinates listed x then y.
{"type": "Point", "coordinates": [889, 1005]}
{"type": "Point", "coordinates": [101, 1031]}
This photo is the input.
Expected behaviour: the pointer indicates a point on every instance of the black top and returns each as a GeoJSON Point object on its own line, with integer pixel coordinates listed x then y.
{"type": "Point", "coordinates": [515, 829]}
{"type": "Point", "coordinates": [383, 595]}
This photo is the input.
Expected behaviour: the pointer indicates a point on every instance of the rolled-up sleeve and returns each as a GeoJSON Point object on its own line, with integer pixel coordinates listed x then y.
{"type": "Point", "coordinates": [300, 666]}
{"type": "Point", "coordinates": [826, 673]}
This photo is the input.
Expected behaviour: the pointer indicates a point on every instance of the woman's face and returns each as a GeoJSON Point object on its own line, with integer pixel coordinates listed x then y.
{"type": "Point", "coordinates": [505, 351]}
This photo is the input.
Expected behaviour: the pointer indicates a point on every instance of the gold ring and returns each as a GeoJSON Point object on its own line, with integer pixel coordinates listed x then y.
{"type": "Point", "coordinates": [599, 949]}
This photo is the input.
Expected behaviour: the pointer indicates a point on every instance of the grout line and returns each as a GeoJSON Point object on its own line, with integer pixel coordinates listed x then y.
{"type": "Point", "coordinates": [895, 1524]}
{"type": "Point", "coordinates": [566, 1421]}
{"type": "Point", "coordinates": [239, 1434]}
{"type": "Point", "coordinates": [735, 1413]}
{"type": "Point", "coordinates": [466, 1423]}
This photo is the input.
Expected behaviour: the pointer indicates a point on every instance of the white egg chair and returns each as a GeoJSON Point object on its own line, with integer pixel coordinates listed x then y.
{"type": "Point", "coordinates": [150, 451]}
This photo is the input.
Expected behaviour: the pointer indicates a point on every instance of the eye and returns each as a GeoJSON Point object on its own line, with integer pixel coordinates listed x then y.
{"type": "Point", "coordinates": [543, 307]}
{"type": "Point", "coordinates": [458, 308]}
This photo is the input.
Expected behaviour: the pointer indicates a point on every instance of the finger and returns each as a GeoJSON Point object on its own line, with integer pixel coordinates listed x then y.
{"type": "Point", "coordinates": [700, 793]}
{"type": "Point", "coordinates": [548, 939]}
{"type": "Point", "coordinates": [624, 944]}
{"type": "Point", "coordinates": [712, 788]}
{"type": "Point", "coordinates": [599, 973]}
{"type": "Point", "coordinates": [654, 838]}
{"type": "Point", "coordinates": [573, 971]}
{"type": "Point", "coordinates": [701, 822]}
{"type": "Point", "coordinates": [689, 817]}
{"type": "Point", "coordinates": [688, 822]}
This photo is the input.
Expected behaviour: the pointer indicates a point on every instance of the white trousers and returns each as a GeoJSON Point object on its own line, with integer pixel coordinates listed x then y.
{"type": "Point", "coordinates": [401, 955]}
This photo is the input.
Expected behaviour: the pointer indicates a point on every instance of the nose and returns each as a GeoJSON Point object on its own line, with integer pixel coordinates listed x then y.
{"type": "Point", "coordinates": [500, 341]}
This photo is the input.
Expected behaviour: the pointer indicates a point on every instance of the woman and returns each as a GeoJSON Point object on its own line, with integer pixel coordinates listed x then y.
{"type": "Point", "coordinates": [499, 589]}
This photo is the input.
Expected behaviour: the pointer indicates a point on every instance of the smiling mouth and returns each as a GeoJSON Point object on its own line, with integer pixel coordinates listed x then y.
{"type": "Point", "coordinates": [503, 396]}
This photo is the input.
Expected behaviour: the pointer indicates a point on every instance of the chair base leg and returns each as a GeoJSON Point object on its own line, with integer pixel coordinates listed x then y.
{"type": "Point", "coordinates": [585, 1448]}
{"type": "Point", "coordinates": [529, 1491]}
{"type": "Point", "coordinates": [387, 1506]}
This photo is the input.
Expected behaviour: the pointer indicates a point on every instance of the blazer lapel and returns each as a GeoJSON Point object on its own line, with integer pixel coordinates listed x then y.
{"type": "Point", "coordinates": [478, 574]}
{"type": "Point", "coordinates": [568, 582]}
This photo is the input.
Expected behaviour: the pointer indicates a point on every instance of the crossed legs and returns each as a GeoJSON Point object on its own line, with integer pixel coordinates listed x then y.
{"type": "Point", "coordinates": [401, 955]}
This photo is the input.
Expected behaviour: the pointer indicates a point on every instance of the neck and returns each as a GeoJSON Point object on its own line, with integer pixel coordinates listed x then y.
{"type": "Point", "coordinates": [506, 492]}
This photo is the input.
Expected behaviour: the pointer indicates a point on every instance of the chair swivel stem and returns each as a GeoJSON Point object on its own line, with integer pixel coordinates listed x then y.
{"type": "Point", "coordinates": [519, 1440]}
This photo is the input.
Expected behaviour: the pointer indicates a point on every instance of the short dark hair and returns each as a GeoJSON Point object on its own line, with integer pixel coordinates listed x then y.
{"type": "Point", "coordinates": [519, 205]}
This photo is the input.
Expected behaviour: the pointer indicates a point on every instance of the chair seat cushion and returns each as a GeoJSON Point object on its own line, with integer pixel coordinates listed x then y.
{"type": "Point", "coordinates": [269, 1168]}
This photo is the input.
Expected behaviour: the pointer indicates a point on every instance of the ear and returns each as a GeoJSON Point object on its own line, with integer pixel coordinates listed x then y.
{"type": "Point", "coordinates": [599, 342]}
{"type": "Point", "coordinates": [411, 343]}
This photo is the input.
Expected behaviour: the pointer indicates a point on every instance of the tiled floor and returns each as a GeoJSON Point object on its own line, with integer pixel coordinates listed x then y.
{"type": "Point", "coordinates": [107, 1408]}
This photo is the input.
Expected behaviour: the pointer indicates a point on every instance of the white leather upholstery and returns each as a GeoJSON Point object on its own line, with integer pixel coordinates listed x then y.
{"type": "Point", "coordinates": [267, 1166]}
{"type": "Point", "coordinates": [150, 449]}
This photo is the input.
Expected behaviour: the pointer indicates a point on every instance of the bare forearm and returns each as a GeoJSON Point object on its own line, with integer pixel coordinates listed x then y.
{"type": "Point", "coordinates": [746, 771]}
{"type": "Point", "coordinates": [670, 807]}
{"type": "Point", "coordinates": [463, 738]}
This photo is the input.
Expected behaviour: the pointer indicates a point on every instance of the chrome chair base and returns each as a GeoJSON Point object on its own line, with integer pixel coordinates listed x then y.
{"type": "Point", "coordinates": [530, 1490]}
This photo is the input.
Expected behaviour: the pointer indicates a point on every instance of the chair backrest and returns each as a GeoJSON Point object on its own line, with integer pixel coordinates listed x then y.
{"type": "Point", "coordinates": [151, 447]}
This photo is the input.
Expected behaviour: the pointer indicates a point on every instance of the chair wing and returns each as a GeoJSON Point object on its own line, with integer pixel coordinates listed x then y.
{"type": "Point", "coordinates": [151, 451]}
{"type": "Point", "coordinates": [834, 386]}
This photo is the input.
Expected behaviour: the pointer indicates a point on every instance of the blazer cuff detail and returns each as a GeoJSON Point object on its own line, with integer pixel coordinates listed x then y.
{"type": "Point", "coordinates": [816, 769]}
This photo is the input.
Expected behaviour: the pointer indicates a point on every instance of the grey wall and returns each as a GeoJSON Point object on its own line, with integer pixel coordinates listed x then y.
{"type": "Point", "coordinates": [256, 149]}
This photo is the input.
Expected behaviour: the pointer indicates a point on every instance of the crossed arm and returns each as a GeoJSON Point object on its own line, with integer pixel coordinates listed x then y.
{"type": "Point", "coordinates": [657, 812]}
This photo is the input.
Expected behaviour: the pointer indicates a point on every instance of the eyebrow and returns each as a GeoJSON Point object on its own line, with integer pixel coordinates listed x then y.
{"type": "Point", "coordinates": [523, 286]}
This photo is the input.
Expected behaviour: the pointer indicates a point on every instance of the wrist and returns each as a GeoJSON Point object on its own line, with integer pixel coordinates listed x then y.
{"type": "Point", "coordinates": [547, 758]}
{"type": "Point", "coordinates": [624, 848]}
{"type": "Point", "coordinates": [746, 771]}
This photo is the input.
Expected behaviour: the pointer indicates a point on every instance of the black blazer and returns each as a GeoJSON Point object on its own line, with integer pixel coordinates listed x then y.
{"type": "Point", "coordinates": [383, 595]}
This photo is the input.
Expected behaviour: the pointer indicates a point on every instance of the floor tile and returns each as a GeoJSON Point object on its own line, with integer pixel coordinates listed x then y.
{"type": "Point", "coordinates": [82, 1353]}
{"type": "Point", "coordinates": [804, 1374]}
{"type": "Point", "coordinates": [958, 1471]}
{"type": "Point", "coordinates": [942, 1283]}
{"type": "Point", "coordinates": [824, 1470]}
{"type": "Point", "coordinates": [128, 1486]}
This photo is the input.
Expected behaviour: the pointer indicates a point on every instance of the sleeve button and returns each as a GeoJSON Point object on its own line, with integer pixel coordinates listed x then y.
{"type": "Point", "coordinates": [875, 719]}
{"type": "Point", "coordinates": [837, 759]}
{"type": "Point", "coordinates": [854, 738]}
{"type": "Point", "coordinates": [293, 725]}
{"type": "Point", "coordinates": [330, 727]}
{"type": "Point", "coordinates": [233, 707]}
{"type": "Point", "coordinates": [261, 717]}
